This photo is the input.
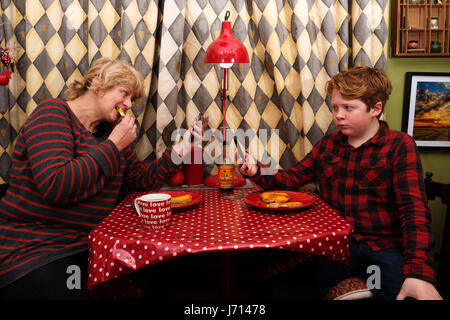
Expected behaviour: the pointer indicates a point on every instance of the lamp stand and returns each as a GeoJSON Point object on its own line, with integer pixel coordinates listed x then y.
{"type": "Point", "coordinates": [226, 169]}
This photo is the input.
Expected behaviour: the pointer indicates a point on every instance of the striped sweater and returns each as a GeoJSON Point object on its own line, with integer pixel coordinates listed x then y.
{"type": "Point", "coordinates": [63, 182]}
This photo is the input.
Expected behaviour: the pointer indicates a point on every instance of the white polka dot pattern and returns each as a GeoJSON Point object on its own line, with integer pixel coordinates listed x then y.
{"type": "Point", "coordinates": [120, 244]}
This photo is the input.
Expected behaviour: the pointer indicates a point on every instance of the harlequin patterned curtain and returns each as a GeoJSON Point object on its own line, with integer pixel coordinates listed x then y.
{"type": "Point", "coordinates": [294, 47]}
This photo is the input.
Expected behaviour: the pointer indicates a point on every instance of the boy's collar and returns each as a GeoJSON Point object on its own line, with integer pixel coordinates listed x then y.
{"type": "Point", "coordinates": [379, 138]}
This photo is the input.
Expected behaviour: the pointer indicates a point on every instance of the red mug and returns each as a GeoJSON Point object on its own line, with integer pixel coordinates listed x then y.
{"type": "Point", "coordinates": [154, 209]}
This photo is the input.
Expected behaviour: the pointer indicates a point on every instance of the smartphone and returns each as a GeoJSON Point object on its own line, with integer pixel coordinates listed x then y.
{"type": "Point", "coordinates": [200, 119]}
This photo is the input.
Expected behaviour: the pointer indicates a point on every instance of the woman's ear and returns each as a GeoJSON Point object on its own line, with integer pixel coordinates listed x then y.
{"type": "Point", "coordinates": [95, 84]}
{"type": "Point", "coordinates": [377, 109]}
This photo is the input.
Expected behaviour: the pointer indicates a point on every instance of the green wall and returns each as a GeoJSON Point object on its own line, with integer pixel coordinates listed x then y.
{"type": "Point", "coordinates": [436, 161]}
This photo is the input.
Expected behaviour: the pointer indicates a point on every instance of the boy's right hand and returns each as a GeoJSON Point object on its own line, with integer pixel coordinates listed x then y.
{"type": "Point", "coordinates": [418, 289]}
{"type": "Point", "coordinates": [249, 167]}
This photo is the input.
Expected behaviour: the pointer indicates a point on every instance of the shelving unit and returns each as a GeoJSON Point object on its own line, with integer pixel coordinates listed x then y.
{"type": "Point", "coordinates": [411, 21]}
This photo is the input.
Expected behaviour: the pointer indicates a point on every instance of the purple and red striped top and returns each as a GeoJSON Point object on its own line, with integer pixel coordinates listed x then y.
{"type": "Point", "coordinates": [63, 182]}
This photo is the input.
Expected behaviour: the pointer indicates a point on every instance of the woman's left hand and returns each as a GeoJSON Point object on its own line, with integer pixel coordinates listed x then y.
{"type": "Point", "coordinates": [196, 131]}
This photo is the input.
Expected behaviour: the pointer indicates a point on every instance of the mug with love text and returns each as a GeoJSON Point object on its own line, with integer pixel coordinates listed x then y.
{"type": "Point", "coordinates": [154, 209]}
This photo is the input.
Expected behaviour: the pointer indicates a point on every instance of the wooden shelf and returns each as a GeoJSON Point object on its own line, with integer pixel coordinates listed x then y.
{"type": "Point", "coordinates": [412, 21]}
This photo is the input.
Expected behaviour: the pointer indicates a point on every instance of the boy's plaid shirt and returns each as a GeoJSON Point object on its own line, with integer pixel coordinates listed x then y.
{"type": "Point", "coordinates": [377, 187]}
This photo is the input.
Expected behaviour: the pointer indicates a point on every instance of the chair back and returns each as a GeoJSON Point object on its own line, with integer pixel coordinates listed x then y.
{"type": "Point", "coordinates": [441, 190]}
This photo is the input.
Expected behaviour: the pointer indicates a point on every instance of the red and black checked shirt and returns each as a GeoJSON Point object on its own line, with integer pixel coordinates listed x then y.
{"type": "Point", "coordinates": [377, 187]}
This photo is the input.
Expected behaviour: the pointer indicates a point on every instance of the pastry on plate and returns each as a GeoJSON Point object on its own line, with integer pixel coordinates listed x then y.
{"type": "Point", "coordinates": [274, 197]}
{"type": "Point", "coordinates": [182, 200]}
{"type": "Point", "coordinates": [290, 204]}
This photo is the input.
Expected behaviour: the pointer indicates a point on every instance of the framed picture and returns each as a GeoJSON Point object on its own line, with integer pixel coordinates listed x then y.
{"type": "Point", "coordinates": [426, 108]}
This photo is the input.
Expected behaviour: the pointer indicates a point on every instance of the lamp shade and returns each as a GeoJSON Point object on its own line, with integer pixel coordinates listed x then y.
{"type": "Point", "coordinates": [226, 49]}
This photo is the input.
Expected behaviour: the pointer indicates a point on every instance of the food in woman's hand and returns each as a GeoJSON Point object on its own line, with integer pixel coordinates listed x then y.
{"type": "Point", "coordinates": [122, 114]}
{"type": "Point", "coordinates": [181, 200]}
{"type": "Point", "coordinates": [274, 197]}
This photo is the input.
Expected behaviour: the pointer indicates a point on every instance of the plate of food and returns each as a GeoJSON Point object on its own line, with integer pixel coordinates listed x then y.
{"type": "Point", "coordinates": [279, 200]}
{"type": "Point", "coordinates": [183, 199]}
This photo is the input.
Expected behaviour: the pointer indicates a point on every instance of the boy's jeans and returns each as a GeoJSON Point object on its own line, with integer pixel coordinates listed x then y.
{"type": "Point", "coordinates": [311, 280]}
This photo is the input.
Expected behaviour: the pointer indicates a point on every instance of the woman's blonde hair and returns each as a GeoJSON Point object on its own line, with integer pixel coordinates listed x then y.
{"type": "Point", "coordinates": [110, 73]}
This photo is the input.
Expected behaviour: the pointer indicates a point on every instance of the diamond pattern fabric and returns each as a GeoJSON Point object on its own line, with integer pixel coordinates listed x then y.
{"type": "Point", "coordinates": [294, 48]}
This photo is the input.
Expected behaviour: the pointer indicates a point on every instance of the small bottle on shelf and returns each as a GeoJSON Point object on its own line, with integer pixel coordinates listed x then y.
{"type": "Point", "coordinates": [434, 23]}
{"type": "Point", "coordinates": [435, 47]}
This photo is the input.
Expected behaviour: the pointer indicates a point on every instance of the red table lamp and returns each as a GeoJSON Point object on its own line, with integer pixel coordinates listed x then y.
{"type": "Point", "coordinates": [225, 51]}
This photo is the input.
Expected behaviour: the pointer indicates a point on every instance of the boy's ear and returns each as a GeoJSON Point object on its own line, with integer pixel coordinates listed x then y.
{"type": "Point", "coordinates": [377, 109]}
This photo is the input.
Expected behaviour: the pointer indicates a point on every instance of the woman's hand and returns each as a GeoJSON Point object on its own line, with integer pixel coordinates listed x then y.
{"type": "Point", "coordinates": [196, 131]}
{"type": "Point", "coordinates": [123, 133]}
{"type": "Point", "coordinates": [249, 167]}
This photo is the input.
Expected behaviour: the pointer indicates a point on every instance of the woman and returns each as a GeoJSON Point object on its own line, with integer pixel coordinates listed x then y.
{"type": "Point", "coordinates": [69, 164]}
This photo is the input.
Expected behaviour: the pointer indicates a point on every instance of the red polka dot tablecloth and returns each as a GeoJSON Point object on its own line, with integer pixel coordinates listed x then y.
{"type": "Point", "coordinates": [120, 244]}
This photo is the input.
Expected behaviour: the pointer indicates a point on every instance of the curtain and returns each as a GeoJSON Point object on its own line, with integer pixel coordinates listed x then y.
{"type": "Point", "coordinates": [294, 47]}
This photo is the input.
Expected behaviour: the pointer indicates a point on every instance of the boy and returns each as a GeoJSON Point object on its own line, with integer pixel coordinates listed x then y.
{"type": "Point", "coordinates": [373, 177]}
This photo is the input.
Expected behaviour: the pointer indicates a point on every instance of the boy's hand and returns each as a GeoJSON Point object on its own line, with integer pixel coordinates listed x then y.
{"type": "Point", "coordinates": [249, 167]}
{"type": "Point", "coordinates": [418, 289]}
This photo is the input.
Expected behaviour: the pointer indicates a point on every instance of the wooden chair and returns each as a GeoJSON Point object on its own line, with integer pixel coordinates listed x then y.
{"type": "Point", "coordinates": [354, 288]}
{"type": "Point", "coordinates": [442, 190]}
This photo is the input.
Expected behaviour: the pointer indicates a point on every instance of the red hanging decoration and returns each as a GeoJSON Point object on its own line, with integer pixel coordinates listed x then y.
{"type": "Point", "coordinates": [4, 77]}
{"type": "Point", "coordinates": [6, 60]}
